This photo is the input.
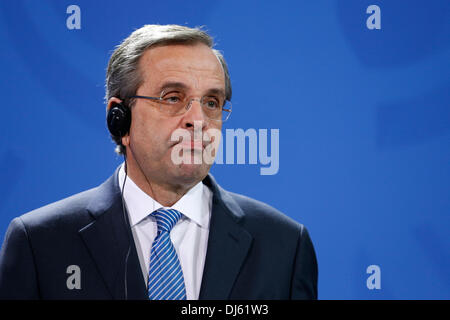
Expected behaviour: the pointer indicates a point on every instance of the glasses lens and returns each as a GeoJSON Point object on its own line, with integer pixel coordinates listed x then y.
{"type": "Point", "coordinates": [212, 107]}
{"type": "Point", "coordinates": [175, 103]}
{"type": "Point", "coordinates": [172, 103]}
{"type": "Point", "coordinates": [216, 109]}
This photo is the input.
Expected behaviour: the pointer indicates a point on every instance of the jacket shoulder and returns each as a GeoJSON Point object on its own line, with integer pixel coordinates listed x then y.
{"type": "Point", "coordinates": [67, 210]}
{"type": "Point", "coordinates": [258, 213]}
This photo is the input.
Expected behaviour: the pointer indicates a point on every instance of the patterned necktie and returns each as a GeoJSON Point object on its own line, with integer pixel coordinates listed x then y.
{"type": "Point", "coordinates": [165, 277]}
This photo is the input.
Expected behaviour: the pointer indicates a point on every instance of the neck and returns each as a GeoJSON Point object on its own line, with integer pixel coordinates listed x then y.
{"type": "Point", "coordinates": [163, 192]}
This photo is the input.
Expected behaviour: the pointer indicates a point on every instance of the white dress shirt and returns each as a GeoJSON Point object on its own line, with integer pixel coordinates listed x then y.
{"type": "Point", "coordinates": [189, 236]}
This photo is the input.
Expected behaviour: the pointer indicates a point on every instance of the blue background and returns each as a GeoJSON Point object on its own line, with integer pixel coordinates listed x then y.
{"type": "Point", "coordinates": [364, 120]}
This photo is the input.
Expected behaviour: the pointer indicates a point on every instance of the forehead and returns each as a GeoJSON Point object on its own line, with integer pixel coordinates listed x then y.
{"type": "Point", "coordinates": [195, 65]}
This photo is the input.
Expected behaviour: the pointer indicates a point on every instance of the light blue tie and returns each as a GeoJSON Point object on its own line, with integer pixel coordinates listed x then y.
{"type": "Point", "coordinates": [165, 277]}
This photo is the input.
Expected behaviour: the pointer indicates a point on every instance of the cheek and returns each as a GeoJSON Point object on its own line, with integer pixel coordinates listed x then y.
{"type": "Point", "coordinates": [151, 135]}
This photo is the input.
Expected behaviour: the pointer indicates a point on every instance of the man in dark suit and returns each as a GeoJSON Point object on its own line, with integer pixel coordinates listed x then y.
{"type": "Point", "coordinates": [160, 227]}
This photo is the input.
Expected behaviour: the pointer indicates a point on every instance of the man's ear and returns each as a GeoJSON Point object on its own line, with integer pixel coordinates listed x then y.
{"type": "Point", "coordinates": [111, 102]}
{"type": "Point", "coordinates": [126, 140]}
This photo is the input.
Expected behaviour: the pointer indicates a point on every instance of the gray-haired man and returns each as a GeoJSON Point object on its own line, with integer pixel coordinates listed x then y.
{"type": "Point", "coordinates": [160, 228]}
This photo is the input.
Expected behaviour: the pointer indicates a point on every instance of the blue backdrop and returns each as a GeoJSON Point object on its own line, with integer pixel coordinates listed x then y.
{"type": "Point", "coordinates": [363, 118]}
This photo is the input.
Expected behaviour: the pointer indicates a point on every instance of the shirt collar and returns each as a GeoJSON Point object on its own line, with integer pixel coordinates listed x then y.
{"type": "Point", "coordinates": [193, 204]}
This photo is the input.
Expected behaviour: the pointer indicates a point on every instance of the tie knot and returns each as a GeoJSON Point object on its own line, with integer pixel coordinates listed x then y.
{"type": "Point", "coordinates": [166, 218]}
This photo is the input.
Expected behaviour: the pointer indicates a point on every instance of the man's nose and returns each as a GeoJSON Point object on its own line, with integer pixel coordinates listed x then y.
{"type": "Point", "coordinates": [194, 114]}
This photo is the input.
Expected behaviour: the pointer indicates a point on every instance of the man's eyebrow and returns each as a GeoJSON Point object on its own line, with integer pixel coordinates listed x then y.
{"type": "Point", "coordinates": [172, 85]}
{"type": "Point", "coordinates": [216, 91]}
{"type": "Point", "coordinates": [180, 85]}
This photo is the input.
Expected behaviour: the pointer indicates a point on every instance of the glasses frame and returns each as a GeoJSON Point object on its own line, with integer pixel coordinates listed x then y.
{"type": "Point", "coordinates": [188, 105]}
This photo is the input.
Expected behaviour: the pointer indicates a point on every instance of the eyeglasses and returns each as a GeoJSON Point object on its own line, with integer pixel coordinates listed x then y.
{"type": "Point", "coordinates": [174, 103]}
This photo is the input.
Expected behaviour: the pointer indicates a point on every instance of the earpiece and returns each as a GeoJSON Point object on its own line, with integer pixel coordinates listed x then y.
{"type": "Point", "coordinates": [118, 120]}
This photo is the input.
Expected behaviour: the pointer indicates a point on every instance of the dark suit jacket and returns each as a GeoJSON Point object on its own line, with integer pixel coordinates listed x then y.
{"type": "Point", "coordinates": [254, 251]}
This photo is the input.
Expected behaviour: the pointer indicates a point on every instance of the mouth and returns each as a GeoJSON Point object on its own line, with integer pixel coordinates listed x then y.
{"type": "Point", "coordinates": [192, 145]}
{"type": "Point", "coordinates": [196, 145]}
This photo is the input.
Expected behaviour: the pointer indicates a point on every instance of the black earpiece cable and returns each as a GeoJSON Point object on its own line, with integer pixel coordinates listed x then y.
{"type": "Point", "coordinates": [127, 224]}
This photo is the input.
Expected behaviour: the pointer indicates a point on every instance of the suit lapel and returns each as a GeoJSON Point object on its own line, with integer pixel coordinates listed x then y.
{"type": "Point", "coordinates": [228, 245]}
{"type": "Point", "coordinates": [108, 241]}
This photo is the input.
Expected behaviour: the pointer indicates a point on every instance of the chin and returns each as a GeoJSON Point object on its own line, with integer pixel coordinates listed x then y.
{"type": "Point", "coordinates": [191, 173]}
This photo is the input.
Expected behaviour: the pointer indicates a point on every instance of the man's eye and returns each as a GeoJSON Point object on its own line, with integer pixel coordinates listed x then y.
{"type": "Point", "coordinates": [172, 99]}
{"type": "Point", "coordinates": [212, 104]}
